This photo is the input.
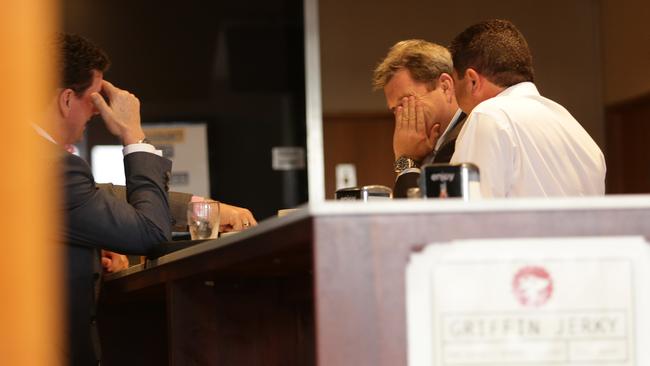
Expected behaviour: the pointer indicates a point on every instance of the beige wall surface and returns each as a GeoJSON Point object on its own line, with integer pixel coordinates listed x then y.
{"type": "Point", "coordinates": [563, 35]}
{"type": "Point", "coordinates": [626, 46]}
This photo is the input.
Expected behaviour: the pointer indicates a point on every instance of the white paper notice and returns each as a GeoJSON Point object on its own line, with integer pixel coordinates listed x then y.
{"type": "Point", "coordinates": [556, 301]}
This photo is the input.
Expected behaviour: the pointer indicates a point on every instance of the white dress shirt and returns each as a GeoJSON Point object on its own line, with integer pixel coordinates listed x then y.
{"type": "Point", "coordinates": [527, 145]}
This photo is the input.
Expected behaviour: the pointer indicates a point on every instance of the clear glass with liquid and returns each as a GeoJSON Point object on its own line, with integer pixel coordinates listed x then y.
{"type": "Point", "coordinates": [203, 219]}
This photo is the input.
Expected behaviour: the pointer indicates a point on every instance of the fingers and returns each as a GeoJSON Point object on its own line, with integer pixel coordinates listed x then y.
{"type": "Point", "coordinates": [236, 218]}
{"type": "Point", "coordinates": [418, 133]}
{"type": "Point", "coordinates": [419, 117]}
{"type": "Point", "coordinates": [399, 116]}
{"type": "Point", "coordinates": [406, 114]}
{"type": "Point", "coordinates": [109, 89]}
{"type": "Point", "coordinates": [108, 116]}
{"type": "Point", "coordinates": [245, 218]}
{"type": "Point", "coordinates": [113, 262]}
{"type": "Point", "coordinates": [100, 104]}
{"type": "Point", "coordinates": [122, 116]}
{"type": "Point", "coordinates": [251, 218]}
{"type": "Point", "coordinates": [124, 261]}
{"type": "Point", "coordinates": [238, 225]}
{"type": "Point", "coordinates": [411, 112]}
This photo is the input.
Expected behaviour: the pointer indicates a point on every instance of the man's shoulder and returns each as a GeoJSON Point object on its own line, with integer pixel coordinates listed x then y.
{"type": "Point", "coordinates": [71, 162]}
{"type": "Point", "coordinates": [503, 110]}
{"type": "Point", "coordinates": [519, 109]}
{"type": "Point", "coordinates": [503, 104]}
{"type": "Point", "coordinates": [490, 114]}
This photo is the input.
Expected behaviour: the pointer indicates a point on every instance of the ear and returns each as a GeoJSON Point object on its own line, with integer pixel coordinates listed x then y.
{"type": "Point", "coordinates": [474, 79]}
{"type": "Point", "coordinates": [65, 101]}
{"type": "Point", "coordinates": [446, 83]}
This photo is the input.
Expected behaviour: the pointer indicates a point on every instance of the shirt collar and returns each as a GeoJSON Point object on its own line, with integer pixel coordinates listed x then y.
{"type": "Point", "coordinates": [454, 121]}
{"type": "Point", "coordinates": [43, 133]}
{"type": "Point", "coordinates": [71, 148]}
{"type": "Point", "coordinates": [525, 88]}
{"type": "Point", "coordinates": [450, 127]}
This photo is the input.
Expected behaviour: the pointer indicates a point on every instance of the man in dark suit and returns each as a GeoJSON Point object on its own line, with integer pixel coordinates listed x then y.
{"type": "Point", "coordinates": [419, 89]}
{"type": "Point", "coordinates": [95, 218]}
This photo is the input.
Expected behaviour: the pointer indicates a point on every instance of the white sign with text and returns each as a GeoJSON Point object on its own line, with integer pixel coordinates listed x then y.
{"type": "Point", "coordinates": [555, 301]}
{"type": "Point", "coordinates": [186, 145]}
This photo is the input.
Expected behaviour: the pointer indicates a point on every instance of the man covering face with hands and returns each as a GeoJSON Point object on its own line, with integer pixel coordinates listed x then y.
{"type": "Point", "coordinates": [419, 89]}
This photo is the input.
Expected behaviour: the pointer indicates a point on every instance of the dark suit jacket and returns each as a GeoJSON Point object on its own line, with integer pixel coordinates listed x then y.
{"type": "Point", "coordinates": [95, 219]}
{"type": "Point", "coordinates": [443, 155]}
{"type": "Point", "coordinates": [177, 203]}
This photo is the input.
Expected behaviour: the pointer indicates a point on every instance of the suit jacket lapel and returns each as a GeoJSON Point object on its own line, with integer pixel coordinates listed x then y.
{"type": "Point", "coordinates": [453, 134]}
{"type": "Point", "coordinates": [446, 150]}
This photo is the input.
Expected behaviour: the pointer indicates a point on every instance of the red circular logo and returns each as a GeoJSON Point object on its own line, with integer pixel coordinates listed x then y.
{"type": "Point", "coordinates": [532, 286]}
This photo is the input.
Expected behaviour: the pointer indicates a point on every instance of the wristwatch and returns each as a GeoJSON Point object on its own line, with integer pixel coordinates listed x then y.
{"type": "Point", "coordinates": [403, 163]}
{"type": "Point", "coordinates": [144, 141]}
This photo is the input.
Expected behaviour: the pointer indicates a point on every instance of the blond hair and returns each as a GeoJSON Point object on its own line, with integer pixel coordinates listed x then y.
{"type": "Point", "coordinates": [424, 60]}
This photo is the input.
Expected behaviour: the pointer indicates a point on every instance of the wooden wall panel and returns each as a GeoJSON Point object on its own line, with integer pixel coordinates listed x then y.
{"type": "Point", "coordinates": [628, 150]}
{"type": "Point", "coordinates": [365, 140]}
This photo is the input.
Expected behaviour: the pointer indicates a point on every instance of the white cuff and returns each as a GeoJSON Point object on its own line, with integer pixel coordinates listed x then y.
{"type": "Point", "coordinates": [141, 148]}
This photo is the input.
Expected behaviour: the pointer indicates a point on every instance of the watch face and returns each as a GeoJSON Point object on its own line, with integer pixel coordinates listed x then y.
{"type": "Point", "coordinates": [404, 163]}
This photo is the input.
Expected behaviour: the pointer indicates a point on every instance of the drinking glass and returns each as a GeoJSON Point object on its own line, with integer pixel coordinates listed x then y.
{"type": "Point", "coordinates": [203, 219]}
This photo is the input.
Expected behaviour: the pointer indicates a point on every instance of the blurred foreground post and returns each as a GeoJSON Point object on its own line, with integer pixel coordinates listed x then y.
{"type": "Point", "coordinates": [30, 252]}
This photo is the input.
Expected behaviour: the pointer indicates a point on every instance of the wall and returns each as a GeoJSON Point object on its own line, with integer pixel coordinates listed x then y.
{"type": "Point", "coordinates": [237, 66]}
{"type": "Point", "coordinates": [364, 140]}
{"type": "Point", "coordinates": [626, 56]}
{"type": "Point", "coordinates": [564, 37]}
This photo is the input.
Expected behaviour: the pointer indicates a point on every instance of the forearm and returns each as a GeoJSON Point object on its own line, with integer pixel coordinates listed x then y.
{"type": "Point", "coordinates": [147, 177]}
{"type": "Point", "coordinates": [177, 204]}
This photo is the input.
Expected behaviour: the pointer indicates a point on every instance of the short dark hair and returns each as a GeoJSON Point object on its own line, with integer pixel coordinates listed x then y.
{"type": "Point", "coordinates": [496, 49]}
{"type": "Point", "coordinates": [78, 57]}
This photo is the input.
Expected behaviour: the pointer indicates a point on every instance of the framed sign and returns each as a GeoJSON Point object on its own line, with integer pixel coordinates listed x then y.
{"type": "Point", "coordinates": [555, 301]}
{"type": "Point", "coordinates": [186, 145]}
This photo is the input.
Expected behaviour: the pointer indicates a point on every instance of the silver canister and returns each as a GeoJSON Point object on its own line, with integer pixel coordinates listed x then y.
{"type": "Point", "coordinates": [365, 193]}
{"type": "Point", "coordinates": [451, 180]}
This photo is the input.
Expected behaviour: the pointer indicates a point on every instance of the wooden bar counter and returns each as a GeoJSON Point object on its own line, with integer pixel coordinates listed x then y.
{"type": "Point", "coordinates": [322, 286]}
